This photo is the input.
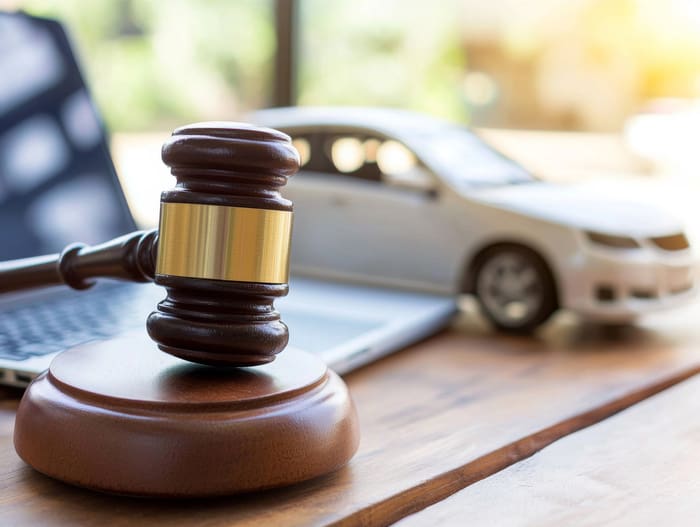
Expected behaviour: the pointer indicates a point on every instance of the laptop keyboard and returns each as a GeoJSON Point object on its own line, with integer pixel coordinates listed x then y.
{"type": "Point", "coordinates": [72, 318]}
{"type": "Point", "coordinates": [61, 322]}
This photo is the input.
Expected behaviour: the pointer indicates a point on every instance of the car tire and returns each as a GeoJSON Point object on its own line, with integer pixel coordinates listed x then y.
{"type": "Point", "coordinates": [514, 287]}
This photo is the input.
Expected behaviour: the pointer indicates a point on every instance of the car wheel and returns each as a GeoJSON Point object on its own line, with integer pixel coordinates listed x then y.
{"type": "Point", "coordinates": [514, 288]}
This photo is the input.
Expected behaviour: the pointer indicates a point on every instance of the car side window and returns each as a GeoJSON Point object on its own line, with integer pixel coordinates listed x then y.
{"type": "Point", "coordinates": [361, 156]}
{"type": "Point", "coordinates": [352, 155]}
{"type": "Point", "coordinates": [310, 149]}
{"type": "Point", "coordinates": [399, 167]}
{"type": "Point", "coordinates": [334, 154]}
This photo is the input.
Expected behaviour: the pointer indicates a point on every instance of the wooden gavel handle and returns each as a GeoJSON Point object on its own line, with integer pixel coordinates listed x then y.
{"type": "Point", "coordinates": [131, 257]}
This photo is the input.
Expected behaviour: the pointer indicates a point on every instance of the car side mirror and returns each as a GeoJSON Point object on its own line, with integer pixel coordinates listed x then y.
{"type": "Point", "coordinates": [432, 194]}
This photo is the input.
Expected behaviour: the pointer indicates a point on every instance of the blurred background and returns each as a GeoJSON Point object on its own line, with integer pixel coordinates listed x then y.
{"type": "Point", "coordinates": [544, 64]}
{"type": "Point", "coordinates": [624, 67]}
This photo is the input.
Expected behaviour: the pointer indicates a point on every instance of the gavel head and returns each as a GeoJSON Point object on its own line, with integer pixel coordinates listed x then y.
{"type": "Point", "coordinates": [223, 244]}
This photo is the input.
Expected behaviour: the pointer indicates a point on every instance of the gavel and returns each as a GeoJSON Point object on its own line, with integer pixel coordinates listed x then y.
{"type": "Point", "coordinates": [221, 250]}
{"type": "Point", "coordinates": [118, 416]}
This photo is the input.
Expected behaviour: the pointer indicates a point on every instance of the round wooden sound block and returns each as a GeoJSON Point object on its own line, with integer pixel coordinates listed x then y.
{"type": "Point", "coordinates": [120, 416]}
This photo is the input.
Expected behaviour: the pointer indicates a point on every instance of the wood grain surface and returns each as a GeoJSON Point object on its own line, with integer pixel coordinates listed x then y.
{"type": "Point", "coordinates": [639, 467]}
{"type": "Point", "coordinates": [434, 418]}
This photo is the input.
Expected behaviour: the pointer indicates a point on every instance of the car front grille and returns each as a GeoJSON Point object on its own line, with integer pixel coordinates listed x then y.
{"type": "Point", "coordinates": [675, 242]}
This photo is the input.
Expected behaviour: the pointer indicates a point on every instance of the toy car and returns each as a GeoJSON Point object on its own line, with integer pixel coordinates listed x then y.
{"type": "Point", "coordinates": [402, 199]}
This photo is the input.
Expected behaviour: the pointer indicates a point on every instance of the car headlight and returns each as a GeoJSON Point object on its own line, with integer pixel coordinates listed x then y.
{"type": "Point", "coordinates": [610, 240]}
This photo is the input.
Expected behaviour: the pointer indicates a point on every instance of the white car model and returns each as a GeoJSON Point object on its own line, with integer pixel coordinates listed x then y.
{"type": "Point", "coordinates": [402, 199]}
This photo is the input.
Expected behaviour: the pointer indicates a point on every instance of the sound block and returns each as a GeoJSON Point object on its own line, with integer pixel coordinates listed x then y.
{"type": "Point", "coordinates": [122, 417]}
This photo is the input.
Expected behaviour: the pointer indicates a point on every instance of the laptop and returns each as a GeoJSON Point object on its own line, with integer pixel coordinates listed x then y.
{"type": "Point", "coordinates": [58, 185]}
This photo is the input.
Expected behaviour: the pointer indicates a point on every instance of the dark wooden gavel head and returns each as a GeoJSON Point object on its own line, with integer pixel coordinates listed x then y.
{"type": "Point", "coordinates": [221, 250]}
{"type": "Point", "coordinates": [223, 244]}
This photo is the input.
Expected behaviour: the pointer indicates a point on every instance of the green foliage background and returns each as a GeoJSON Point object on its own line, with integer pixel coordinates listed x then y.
{"type": "Point", "coordinates": [154, 64]}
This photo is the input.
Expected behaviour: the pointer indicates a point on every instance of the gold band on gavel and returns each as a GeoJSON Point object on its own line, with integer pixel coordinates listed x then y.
{"type": "Point", "coordinates": [224, 243]}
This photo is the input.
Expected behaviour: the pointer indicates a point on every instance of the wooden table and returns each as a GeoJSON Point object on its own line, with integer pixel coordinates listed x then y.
{"type": "Point", "coordinates": [449, 421]}
{"type": "Point", "coordinates": [471, 428]}
{"type": "Point", "coordinates": [639, 467]}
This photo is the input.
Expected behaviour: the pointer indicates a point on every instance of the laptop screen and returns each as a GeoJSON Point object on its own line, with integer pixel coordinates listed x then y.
{"type": "Point", "coordinates": [57, 181]}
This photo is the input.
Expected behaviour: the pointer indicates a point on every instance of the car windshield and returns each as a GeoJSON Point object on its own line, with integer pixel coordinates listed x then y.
{"type": "Point", "coordinates": [465, 160]}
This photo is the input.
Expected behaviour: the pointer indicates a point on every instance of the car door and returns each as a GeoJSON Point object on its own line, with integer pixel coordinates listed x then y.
{"type": "Point", "coordinates": [359, 216]}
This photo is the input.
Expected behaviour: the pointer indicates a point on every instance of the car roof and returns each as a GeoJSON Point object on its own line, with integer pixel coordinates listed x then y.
{"type": "Point", "coordinates": [392, 122]}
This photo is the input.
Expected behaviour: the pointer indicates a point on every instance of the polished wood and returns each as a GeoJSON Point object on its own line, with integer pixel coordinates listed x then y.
{"type": "Point", "coordinates": [130, 257]}
{"type": "Point", "coordinates": [637, 468]}
{"type": "Point", "coordinates": [27, 273]}
{"type": "Point", "coordinates": [230, 164]}
{"type": "Point", "coordinates": [434, 418]}
{"type": "Point", "coordinates": [119, 416]}
{"type": "Point", "coordinates": [213, 321]}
